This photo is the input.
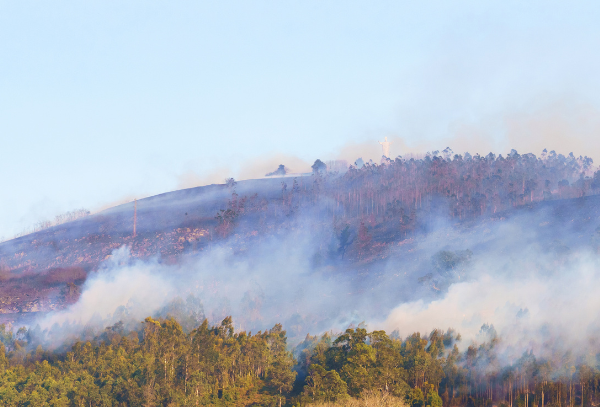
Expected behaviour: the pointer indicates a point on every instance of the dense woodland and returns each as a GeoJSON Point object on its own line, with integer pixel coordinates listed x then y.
{"type": "Point", "coordinates": [162, 365]}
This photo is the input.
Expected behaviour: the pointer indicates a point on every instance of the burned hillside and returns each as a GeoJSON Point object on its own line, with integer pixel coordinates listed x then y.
{"type": "Point", "coordinates": [359, 218]}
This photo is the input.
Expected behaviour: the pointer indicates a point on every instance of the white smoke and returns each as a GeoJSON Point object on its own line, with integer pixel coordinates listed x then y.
{"type": "Point", "coordinates": [519, 308]}
{"type": "Point", "coordinates": [273, 283]}
{"type": "Point", "coordinates": [537, 293]}
{"type": "Point", "coordinates": [140, 286]}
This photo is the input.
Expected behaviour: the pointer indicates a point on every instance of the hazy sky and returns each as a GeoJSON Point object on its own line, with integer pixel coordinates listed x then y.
{"type": "Point", "coordinates": [105, 101]}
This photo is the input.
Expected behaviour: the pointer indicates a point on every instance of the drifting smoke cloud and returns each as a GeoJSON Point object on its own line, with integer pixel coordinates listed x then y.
{"type": "Point", "coordinates": [564, 124]}
{"type": "Point", "coordinates": [272, 283]}
{"type": "Point", "coordinates": [142, 287]}
{"type": "Point", "coordinates": [539, 292]}
{"type": "Point", "coordinates": [530, 311]}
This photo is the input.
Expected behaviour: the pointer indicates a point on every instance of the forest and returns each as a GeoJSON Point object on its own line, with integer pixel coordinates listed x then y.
{"type": "Point", "coordinates": [400, 196]}
{"type": "Point", "coordinates": [161, 364]}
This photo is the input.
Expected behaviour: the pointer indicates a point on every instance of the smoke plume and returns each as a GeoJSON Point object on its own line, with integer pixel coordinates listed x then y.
{"type": "Point", "coordinates": [538, 292]}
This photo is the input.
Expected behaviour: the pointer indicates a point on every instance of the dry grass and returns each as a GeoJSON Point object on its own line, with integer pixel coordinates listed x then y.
{"type": "Point", "coordinates": [369, 399]}
{"type": "Point", "coordinates": [4, 272]}
{"type": "Point", "coordinates": [62, 275]}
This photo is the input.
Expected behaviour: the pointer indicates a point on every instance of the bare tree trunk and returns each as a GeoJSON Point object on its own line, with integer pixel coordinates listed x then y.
{"type": "Point", "coordinates": [542, 397]}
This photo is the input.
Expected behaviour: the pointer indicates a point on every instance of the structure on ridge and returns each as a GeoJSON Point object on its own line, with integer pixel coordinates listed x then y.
{"type": "Point", "coordinates": [385, 146]}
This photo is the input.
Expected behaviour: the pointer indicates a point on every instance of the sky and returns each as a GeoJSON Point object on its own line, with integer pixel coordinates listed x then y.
{"type": "Point", "coordinates": [103, 102]}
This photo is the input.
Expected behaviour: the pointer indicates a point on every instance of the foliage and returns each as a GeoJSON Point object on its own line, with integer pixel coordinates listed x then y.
{"type": "Point", "coordinates": [280, 171]}
{"type": "Point", "coordinates": [319, 166]}
{"type": "Point", "coordinates": [358, 362]}
{"type": "Point", "coordinates": [162, 365]}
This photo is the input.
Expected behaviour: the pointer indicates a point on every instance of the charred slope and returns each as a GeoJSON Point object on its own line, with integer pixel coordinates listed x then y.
{"type": "Point", "coordinates": [360, 218]}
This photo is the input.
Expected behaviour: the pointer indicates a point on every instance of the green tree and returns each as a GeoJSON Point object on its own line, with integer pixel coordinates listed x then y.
{"type": "Point", "coordinates": [281, 376]}
{"type": "Point", "coordinates": [3, 361]}
{"type": "Point", "coordinates": [415, 398]}
{"type": "Point", "coordinates": [358, 368]}
{"type": "Point", "coordinates": [324, 385]}
{"type": "Point", "coordinates": [434, 399]}
{"type": "Point", "coordinates": [389, 374]}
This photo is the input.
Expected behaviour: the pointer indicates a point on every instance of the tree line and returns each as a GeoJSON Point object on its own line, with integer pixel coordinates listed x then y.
{"type": "Point", "coordinates": [394, 199]}
{"type": "Point", "coordinates": [160, 364]}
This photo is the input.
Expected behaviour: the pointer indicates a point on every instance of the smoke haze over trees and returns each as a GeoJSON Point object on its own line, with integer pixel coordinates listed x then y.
{"type": "Point", "coordinates": [501, 249]}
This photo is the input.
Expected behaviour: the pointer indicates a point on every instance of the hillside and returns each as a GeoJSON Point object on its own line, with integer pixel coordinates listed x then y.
{"type": "Point", "coordinates": [36, 267]}
{"type": "Point", "coordinates": [357, 221]}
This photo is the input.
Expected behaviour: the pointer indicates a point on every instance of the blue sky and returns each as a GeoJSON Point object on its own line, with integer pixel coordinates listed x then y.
{"type": "Point", "coordinates": [105, 101]}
